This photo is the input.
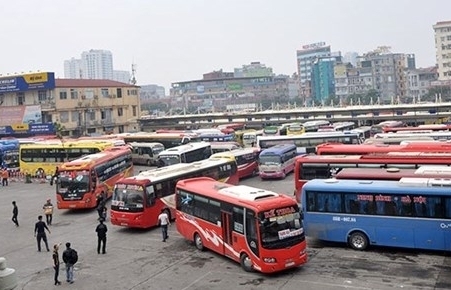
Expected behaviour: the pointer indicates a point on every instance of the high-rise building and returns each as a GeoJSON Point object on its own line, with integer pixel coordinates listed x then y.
{"type": "Point", "coordinates": [350, 57]}
{"type": "Point", "coordinates": [122, 76]}
{"type": "Point", "coordinates": [323, 83]}
{"type": "Point", "coordinates": [305, 58]}
{"type": "Point", "coordinates": [255, 69]}
{"type": "Point", "coordinates": [443, 49]}
{"type": "Point", "coordinates": [73, 69]}
{"type": "Point", "coordinates": [97, 64]}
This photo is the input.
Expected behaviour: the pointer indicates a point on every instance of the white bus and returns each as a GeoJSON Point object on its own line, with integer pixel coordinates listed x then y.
{"type": "Point", "coordinates": [313, 126]}
{"type": "Point", "coordinates": [307, 142]}
{"type": "Point", "coordinates": [250, 138]}
{"type": "Point", "coordinates": [187, 153]}
{"type": "Point", "coordinates": [145, 153]}
{"type": "Point", "coordinates": [436, 135]}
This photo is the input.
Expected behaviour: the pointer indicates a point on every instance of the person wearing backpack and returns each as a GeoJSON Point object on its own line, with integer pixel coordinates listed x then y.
{"type": "Point", "coordinates": [70, 257]}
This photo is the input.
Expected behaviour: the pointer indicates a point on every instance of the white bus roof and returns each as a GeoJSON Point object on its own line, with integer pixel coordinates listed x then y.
{"type": "Point", "coordinates": [425, 181]}
{"type": "Point", "coordinates": [245, 192]}
{"type": "Point", "coordinates": [145, 144]}
{"type": "Point", "coordinates": [185, 148]}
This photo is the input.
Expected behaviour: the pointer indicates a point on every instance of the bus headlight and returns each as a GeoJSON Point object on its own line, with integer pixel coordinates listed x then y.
{"type": "Point", "coordinates": [303, 252]}
{"type": "Point", "coordinates": [269, 260]}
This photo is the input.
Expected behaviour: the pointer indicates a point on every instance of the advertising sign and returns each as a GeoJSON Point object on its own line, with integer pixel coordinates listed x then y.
{"type": "Point", "coordinates": [28, 129]}
{"type": "Point", "coordinates": [314, 45]}
{"type": "Point", "coordinates": [26, 82]}
{"type": "Point", "coordinates": [20, 115]}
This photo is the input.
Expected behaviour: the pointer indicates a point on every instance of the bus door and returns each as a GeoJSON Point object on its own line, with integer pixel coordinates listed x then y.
{"type": "Point", "coordinates": [227, 228]}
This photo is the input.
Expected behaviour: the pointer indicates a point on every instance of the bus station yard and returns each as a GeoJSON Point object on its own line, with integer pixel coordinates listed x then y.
{"type": "Point", "coordinates": [138, 259]}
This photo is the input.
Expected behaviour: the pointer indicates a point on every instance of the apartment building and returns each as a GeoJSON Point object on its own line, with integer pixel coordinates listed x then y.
{"type": "Point", "coordinates": [442, 32]}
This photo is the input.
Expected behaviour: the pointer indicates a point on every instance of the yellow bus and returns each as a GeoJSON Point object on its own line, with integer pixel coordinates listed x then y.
{"type": "Point", "coordinates": [42, 158]}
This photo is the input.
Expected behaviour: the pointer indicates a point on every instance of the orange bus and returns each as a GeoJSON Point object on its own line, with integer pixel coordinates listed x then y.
{"type": "Point", "coordinates": [81, 181]}
{"type": "Point", "coordinates": [309, 167]}
{"type": "Point", "coordinates": [363, 149]}
{"type": "Point", "coordinates": [260, 229]}
{"type": "Point", "coordinates": [138, 200]}
{"type": "Point", "coordinates": [394, 173]}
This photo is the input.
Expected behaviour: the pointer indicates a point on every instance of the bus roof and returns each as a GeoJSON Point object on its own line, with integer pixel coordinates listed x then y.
{"type": "Point", "coordinates": [92, 160]}
{"type": "Point", "coordinates": [185, 148]}
{"type": "Point", "coordinates": [414, 185]}
{"type": "Point", "coordinates": [397, 157]}
{"type": "Point", "coordinates": [145, 144]}
{"type": "Point", "coordinates": [69, 144]}
{"type": "Point", "coordinates": [338, 148]}
{"type": "Point", "coordinates": [157, 174]}
{"type": "Point", "coordinates": [394, 173]}
{"type": "Point", "coordinates": [278, 149]}
{"type": "Point", "coordinates": [235, 152]}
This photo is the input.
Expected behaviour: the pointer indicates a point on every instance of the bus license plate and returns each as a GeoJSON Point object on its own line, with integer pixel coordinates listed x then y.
{"type": "Point", "coordinates": [72, 205]}
{"type": "Point", "coordinates": [289, 264]}
{"type": "Point", "coordinates": [124, 224]}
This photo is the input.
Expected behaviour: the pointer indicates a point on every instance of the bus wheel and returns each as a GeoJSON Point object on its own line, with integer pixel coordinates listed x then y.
{"type": "Point", "coordinates": [246, 263]}
{"type": "Point", "coordinates": [255, 172]}
{"type": "Point", "coordinates": [149, 162]}
{"type": "Point", "coordinates": [198, 242]}
{"type": "Point", "coordinates": [358, 241]}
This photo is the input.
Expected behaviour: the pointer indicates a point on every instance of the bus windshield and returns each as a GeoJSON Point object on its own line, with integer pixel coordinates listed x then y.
{"type": "Point", "coordinates": [281, 228]}
{"type": "Point", "coordinates": [71, 184]}
{"type": "Point", "coordinates": [128, 197]}
{"type": "Point", "coordinates": [166, 160]}
{"type": "Point", "coordinates": [269, 159]}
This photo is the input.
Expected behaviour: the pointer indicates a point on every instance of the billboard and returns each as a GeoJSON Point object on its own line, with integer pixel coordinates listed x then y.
{"type": "Point", "coordinates": [20, 115]}
{"type": "Point", "coordinates": [28, 129]}
{"type": "Point", "coordinates": [26, 82]}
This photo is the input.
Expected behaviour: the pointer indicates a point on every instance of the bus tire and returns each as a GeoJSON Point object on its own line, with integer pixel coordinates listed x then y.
{"type": "Point", "coordinates": [198, 242]}
{"type": "Point", "coordinates": [246, 263]}
{"type": "Point", "coordinates": [358, 241]}
{"type": "Point", "coordinates": [149, 163]}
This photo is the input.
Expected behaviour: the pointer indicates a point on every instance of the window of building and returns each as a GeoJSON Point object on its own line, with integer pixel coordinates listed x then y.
{"type": "Point", "coordinates": [75, 116]}
{"type": "Point", "coordinates": [119, 92]}
{"type": "Point", "coordinates": [120, 112]}
{"type": "Point", "coordinates": [104, 93]}
{"type": "Point", "coordinates": [121, 128]}
{"type": "Point", "coordinates": [63, 95]}
{"type": "Point", "coordinates": [91, 115]}
{"type": "Point", "coordinates": [73, 94]}
{"type": "Point", "coordinates": [134, 111]}
{"type": "Point", "coordinates": [91, 130]}
{"type": "Point", "coordinates": [42, 96]}
{"type": "Point", "coordinates": [20, 99]}
{"type": "Point", "coordinates": [64, 117]}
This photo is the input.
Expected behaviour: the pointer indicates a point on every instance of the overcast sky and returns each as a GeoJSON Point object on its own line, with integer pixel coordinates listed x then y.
{"type": "Point", "coordinates": [179, 40]}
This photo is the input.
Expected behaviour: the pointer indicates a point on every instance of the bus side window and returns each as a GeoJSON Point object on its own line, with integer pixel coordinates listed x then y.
{"type": "Point", "coordinates": [150, 195]}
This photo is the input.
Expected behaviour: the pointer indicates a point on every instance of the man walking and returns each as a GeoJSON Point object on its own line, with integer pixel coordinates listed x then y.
{"type": "Point", "coordinates": [48, 211]}
{"type": "Point", "coordinates": [39, 233]}
{"type": "Point", "coordinates": [56, 263]}
{"type": "Point", "coordinates": [70, 257]}
{"type": "Point", "coordinates": [15, 214]}
{"type": "Point", "coordinates": [5, 175]}
{"type": "Point", "coordinates": [163, 221]}
{"type": "Point", "coordinates": [101, 230]}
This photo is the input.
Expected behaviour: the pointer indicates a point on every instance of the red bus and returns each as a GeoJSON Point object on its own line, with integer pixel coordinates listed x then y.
{"type": "Point", "coordinates": [138, 200]}
{"type": "Point", "coordinates": [432, 127]}
{"type": "Point", "coordinates": [363, 149]}
{"type": "Point", "coordinates": [260, 229]}
{"type": "Point", "coordinates": [246, 160]}
{"type": "Point", "coordinates": [393, 173]}
{"type": "Point", "coordinates": [309, 167]}
{"type": "Point", "coordinates": [82, 180]}
{"type": "Point", "coordinates": [379, 128]}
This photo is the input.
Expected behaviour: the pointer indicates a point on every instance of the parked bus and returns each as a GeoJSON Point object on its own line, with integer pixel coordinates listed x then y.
{"type": "Point", "coordinates": [364, 131]}
{"type": "Point", "coordinates": [307, 142]}
{"type": "Point", "coordinates": [168, 140]}
{"type": "Point", "coordinates": [239, 135]}
{"type": "Point", "coordinates": [436, 135]}
{"type": "Point", "coordinates": [137, 201]}
{"type": "Point", "coordinates": [216, 137]}
{"type": "Point", "coordinates": [9, 154]}
{"type": "Point", "coordinates": [309, 167]}
{"type": "Point", "coordinates": [246, 160]}
{"type": "Point", "coordinates": [295, 129]}
{"type": "Point", "coordinates": [41, 158]}
{"type": "Point", "coordinates": [398, 140]}
{"type": "Point", "coordinates": [363, 149]}
{"type": "Point", "coordinates": [277, 161]}
{"type": "Point", "coordinates": [394, 173]}
{"type": "Point", "coordinates": [145, 153]}
{"type": "Point", "coordinates": [409, 213]}
{"type": "Point", "coordinates": [250, 138]}
{"type": "Point", "coordinates": [313, 126]}
{"type": "Point", "coordinates": [379, 128]}
{"type": "Point", "coordinates": [81, 181]}
{"type": "Point", "coordinates": [271, 131]}
{"type": "Point", "coordinates": [217, 147]}
{"type": "Point", "coordinates": [194, 151]}
{"type": "Point", "coordinates": [231, 127]}
{"type": "Point", "coordinates": [260, 229]}
{"type": "Point", "coordinates": [432, 127]}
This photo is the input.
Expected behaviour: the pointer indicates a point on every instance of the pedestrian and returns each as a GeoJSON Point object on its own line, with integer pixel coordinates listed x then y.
{"type": "Point", "coordinates": [101, 230]}
{"type": "Point", "coordinates": [5, 175]}
{"type": "Point", "coordinates": [56, 262]}
{"type": "Point", "coordinates": [48, 211]}
{"type": "Point", "coordinates": [101, 206]}
{"type": "Point", "coordinates": [39, 233]}
{"type": "Point", "coordinates": [70, 257]}
{"type": "Point", "coordinates": [54, 176]}
{"type": "Point", "coordinates": [15, 214]}
{"type": "Point", "coordinates": [163, 221]}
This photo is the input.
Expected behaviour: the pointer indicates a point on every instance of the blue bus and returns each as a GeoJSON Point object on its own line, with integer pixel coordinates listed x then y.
{"type": "Point", "coordinates": [215, 137]}
{"type": "Point", "coordinates": [410, 213]}
{"type": "Point", "coordinates": [9, 154]}
{"type": "Point", "coordinates": [277, 161]}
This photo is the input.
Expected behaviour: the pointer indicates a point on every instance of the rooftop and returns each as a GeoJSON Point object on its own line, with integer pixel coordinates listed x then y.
{"type": "Point", "coordinates": [92, 83]}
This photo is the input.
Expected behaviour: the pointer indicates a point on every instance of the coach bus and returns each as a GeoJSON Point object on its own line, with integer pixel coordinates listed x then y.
{"type": "Point", "coordinates": [187, 153]}
{"type": "Point", "coordinates": [9, 154]}
{"type": "Point", "coordinates": [41, 158]}
{"type": "Point", "coordinates": [81, 181]}
{"type": "Point", "coordinates": [168, 140]}
{"type": "Point", "coordinates": [309, 167]}
{"type": "Point", "coordinates": [394, 173]}
{"type": "Point", "coordinates": [217, 147]}
{"type": "Point", "coordinates": [307, 142]}
{"type": "Point", "coordinates": [313, 126]}
{"type": "Point", "coordinates": [215, 137]}
{"type": "Point", "coordinates": [272, 131]}
{"type": "Point", "coordinates": [145, 153]}
{"type": "Point", "coordinates": [437, 135]}
{"type": "Point", "coordinates": [409, 213]}
{"type": "Point", "coordinates": [350, 149]}
{"type": "Point", "coordinates": [250, 138]}
{"type": "Point", "coordinates": [432, 127]}
{"type": "Point", "coordinates": [295, 129]}
{"type": "Point", "coordinates": [137, 201]}
{"type": "Point", "coordinates": [246, 160]}
{"type": "Point", "coordinates": [398, 140]}
{"type": "Point", "coordinates": [364, 131]}
{"type": "Point", "coordinates": [277, 161]}
{"type": "Point", "coordinates": [260, 229]}
{"type": "Point", "coordinates": [379, 128]}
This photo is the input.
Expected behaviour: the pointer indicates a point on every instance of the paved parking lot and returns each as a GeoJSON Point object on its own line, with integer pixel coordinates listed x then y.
{"type": "Point", "coordinates": [138, 259]}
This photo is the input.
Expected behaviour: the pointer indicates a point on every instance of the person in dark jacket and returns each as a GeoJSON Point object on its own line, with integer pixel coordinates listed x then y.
{"type": "Point", "coordinates": [101, 230]}
{"type": "Point", "coordinates": [39, 233]}
{"type": "Point", "coordinates": [15, 214]}
{"type": "Point", "coordinates": [101, 202]}
{"type": "Point", "coordinates": [56, 263]}
{"type": "Point", "coordinates": [68, 260]}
